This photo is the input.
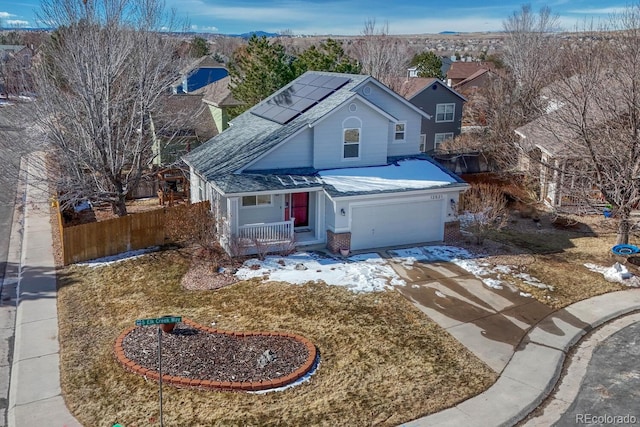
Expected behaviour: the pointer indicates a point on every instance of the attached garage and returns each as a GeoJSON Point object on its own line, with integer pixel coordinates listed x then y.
{"type": "Point", "coordinates": [380, 224]}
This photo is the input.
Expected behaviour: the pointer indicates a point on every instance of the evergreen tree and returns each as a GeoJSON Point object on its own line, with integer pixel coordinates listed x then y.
{"type": "Point", "coordinates": [429, 65]}
{"type": "Point", "coordinates": [258, 69]}
{"type": "Point", "coordinates": [329, 56]}
{"type": "Point", "coordinates": [199, 47]}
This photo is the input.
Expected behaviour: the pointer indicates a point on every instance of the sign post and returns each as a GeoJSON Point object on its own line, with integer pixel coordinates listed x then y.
{"type": "Point", "coordinates": [159, 321]}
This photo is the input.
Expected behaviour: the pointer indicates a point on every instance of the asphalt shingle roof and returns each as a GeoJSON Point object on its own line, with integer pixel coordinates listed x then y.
{"type": "Point", "coordinates": [250, 136]}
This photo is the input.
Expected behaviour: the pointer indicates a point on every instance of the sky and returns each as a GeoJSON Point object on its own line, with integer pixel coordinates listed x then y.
{"type": "Point", "coordinates": [346, 17]}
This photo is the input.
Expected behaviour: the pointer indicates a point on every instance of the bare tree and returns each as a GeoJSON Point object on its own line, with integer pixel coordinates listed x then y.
{"type": "Point", "coordinates": [531, 55]}
{"type": "Point", "coordinates": [381, 55]}
{"type": "Point", "coordinates": [483, 209]}
{"type": "Point", "coordinates": [594, 118]}
{"type": "Point", "coordinates": [101, 78]}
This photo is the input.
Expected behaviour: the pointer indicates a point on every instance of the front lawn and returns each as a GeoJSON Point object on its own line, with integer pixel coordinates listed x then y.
{"type": "Point", "coordinates": [382, 361]}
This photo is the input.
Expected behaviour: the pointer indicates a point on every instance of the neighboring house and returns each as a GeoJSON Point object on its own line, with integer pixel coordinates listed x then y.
{"type": "Point", "coordinates": [443, 108]}
{"type": "Point", "coordinates": [203, 72]}
{"type": "Point", "coordinates": [460, 71]}
{"type": "Point", "coordinates": [329, 159]}
{"type": "Point", "coordinates": [547, 144]}
{"type": "Point", "coordinates": [217, 96]}
{"type": "Point", "coordinates": [182, 124]}
{"type": "Point", "coordinates": [15, 66]}
{"type": "Point", "coordinates": [475, 82]}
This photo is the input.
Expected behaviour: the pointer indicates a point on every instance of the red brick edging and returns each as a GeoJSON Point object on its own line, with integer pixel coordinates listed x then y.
{"type": "Point", "coordinates": [220, 385]}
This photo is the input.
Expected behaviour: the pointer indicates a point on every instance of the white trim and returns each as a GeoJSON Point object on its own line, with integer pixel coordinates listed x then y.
{"type": "Point", "coordinates": [444, 136]}
{"type": "Point", "coordinates": [423, 143]}
{"type": "Point", "coordinates": [395, 131]}
{"type": "Point", "coordinates": [453, 113]}
{"type": "Point", "coordinates": [459, 187]}
{"type": "Point", "coordinates": [281, 191]}
{"type": "Point", "coordinates": [257, 205]}
{"type": "Point", "coordinates": [345, 143]}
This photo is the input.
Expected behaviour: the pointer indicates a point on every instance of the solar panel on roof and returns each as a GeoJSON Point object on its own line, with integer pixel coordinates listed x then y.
{"type": "Point", "coordinates": [320, 80]}
{"type": "Point", "coordinates": [336, 83]}
{"type": "Point", "coordinates": [299, 97]}
{"type": "Point", "coordinates": [319, 94]}
{"type": "Point", "coordinates": [303, 104]}
{"type": "Point", "coordinates": [285, 116]}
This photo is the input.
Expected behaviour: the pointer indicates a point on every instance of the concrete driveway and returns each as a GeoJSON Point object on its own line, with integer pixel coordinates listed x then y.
{"type": "Point", "coordinates": [489, 322]}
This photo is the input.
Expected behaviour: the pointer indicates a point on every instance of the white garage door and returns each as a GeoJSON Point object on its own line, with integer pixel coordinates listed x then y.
{"type": "Point", "coordinates": [374, 226]}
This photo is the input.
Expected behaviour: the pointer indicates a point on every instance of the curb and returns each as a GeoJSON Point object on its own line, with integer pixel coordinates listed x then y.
{"type": "Point", "coordinates": [183, 382]}
{"type": "Point", "coordinates": [536, 366]}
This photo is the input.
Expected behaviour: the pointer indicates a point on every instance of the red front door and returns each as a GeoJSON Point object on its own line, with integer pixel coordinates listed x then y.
{"type": "Point", "coordinates": [299, 209]}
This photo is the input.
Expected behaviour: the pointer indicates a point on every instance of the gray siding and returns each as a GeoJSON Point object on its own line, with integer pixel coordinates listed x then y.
{"type": "Point", "coordinates": [328, 138]}
{"type": "Point", "coordinates": [260, 214]}
{"type": "Point", "coordinates": [329, 214]}
{"type": "Point", "coordinates": [427, 101]}
{"type": "Point", "coordinates": [295, 153]}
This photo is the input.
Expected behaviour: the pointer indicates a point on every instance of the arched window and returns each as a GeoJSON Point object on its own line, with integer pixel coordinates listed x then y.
{"type": "Point", "coordinates": [351, 129]}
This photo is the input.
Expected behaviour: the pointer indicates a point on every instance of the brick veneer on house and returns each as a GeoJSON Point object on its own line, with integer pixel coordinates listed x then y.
{"type": "Point", "coordinates": [337, 241]}
{"type": "Point", "coordinates": [183, 382]}
{"type": "Point", "coordinates": [452, 233]}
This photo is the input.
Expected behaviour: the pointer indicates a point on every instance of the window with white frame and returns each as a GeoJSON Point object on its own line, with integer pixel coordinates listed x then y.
{"type": "Point", "coordinates": [351, 139]}
{"type": "Point", "coordinates": [423, 143]}
{"type": "Point", "coordinates": [399, 132]}
{"type": "Point", "coordinates": [256, 200]}
{"type": "Point", "coordinates": [440, 138]}
{"type": "Point", "coordinates": [445, 112]}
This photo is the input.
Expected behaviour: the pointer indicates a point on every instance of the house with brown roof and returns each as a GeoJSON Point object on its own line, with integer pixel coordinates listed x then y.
{"type": "Point", "coordinates": [443, 106]}
{"type": "Point", "coordinates": [461, 71]}
{"type": "Point", "coordinates": [218, 98]}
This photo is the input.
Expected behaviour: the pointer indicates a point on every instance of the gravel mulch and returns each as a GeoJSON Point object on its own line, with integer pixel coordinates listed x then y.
{"type": "Point", "coordinates": [196, 354]}
{"type": "Point", "coordinates": [203, 275]}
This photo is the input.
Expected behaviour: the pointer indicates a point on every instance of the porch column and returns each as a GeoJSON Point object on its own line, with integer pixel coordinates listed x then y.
{"type": "Point", "coordinates": [232, 210]}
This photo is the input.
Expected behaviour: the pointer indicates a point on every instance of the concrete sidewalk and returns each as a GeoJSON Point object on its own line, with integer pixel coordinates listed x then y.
{"type": "Point", "coordinates": [535, 367]}
{"type": "Point", "coordinates": [34, 393]}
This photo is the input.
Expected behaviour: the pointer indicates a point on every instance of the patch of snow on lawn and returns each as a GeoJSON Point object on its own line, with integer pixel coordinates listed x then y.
{"type": "Point", "coordinates": [358, 273]}
{"type": "Point", "coordinates": [525, 294]}
{"type": "Point", "coordinates": [101, 262]}
{"type": "Point", "coordinates": [532, 281]}
{"type": "Point", "coordinates": [617, 273]}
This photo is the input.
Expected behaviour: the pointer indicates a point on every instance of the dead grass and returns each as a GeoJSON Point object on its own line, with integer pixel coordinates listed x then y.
{"type": "Point", "coordinates": [382, 361]}
{"type": "Point", "coordinates": [559, 256]}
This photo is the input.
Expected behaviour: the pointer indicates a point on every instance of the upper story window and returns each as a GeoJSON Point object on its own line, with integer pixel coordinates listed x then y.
{"type": "Point", "coordinates": [399, 132]}
{"type": "Point", "coordinates": [256, 200]}
{"type": "Point", "coordinates": [440, 138]}
{"type": "Point", "coordinates": [351, 146]}
{"type": "Point", "coordinates": [445, 112]}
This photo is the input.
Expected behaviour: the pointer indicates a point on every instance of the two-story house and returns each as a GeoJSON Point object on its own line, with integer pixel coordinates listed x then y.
{"type": "Point", "coordinates": [443, 108]}
{"type": "Point", "coordinates": [329, 159]}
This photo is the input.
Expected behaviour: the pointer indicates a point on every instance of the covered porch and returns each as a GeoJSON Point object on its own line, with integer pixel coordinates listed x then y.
{"type": "Point", "coordinates": [273, 222]}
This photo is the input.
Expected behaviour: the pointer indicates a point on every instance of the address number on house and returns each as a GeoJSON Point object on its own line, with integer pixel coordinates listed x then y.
{"type": "Point", "coordinates": [437, 196]}
{"type": "Point", "coordinates": [158, 321]}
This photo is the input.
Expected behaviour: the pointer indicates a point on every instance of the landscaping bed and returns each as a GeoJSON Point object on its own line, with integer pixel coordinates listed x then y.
{"type": "Point", "coordinates": [382, 362]}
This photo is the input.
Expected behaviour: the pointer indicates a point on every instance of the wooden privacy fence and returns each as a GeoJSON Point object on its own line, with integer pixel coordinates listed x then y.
{"type": "Point", "coordinates": [135, 231]}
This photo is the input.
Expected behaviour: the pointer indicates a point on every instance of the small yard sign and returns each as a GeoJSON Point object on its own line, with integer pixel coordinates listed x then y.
{"type": "Point", "coordinates": [158, 321]}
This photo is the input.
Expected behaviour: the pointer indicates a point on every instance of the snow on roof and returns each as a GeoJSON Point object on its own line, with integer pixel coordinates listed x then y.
{"type": "Point", "coordinates": [414, 173]}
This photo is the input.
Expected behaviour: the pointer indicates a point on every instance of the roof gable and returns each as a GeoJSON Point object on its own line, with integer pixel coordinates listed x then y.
{"type": "Point", "coordinates": [420, 87]}
{"type": "Point", "coordinates": [250, 135]}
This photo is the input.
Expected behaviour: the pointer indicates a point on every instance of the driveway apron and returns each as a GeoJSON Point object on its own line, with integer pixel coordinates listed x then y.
{"type": "Point", "coordinates": [489, 322]}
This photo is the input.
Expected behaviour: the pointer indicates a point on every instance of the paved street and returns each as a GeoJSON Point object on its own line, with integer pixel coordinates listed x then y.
{"type": "Point", "coordinates": [611, 387]}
